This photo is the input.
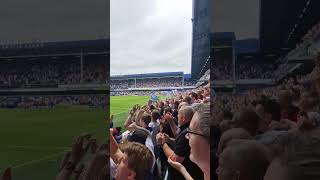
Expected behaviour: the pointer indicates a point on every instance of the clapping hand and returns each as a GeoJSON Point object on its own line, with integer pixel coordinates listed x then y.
{"type": "Point", "coordinates": [98, 166]}
{"type": "Point", "coordinates": [178, 166]}
{"type": "Point", "coordinates": [168, 116]}
{"type": "Point", "coordinates": [7, 174]}
{"type": "Point", "coordinates": [160, 138]}
{"type": "Point", "coordinates": [79, 148]}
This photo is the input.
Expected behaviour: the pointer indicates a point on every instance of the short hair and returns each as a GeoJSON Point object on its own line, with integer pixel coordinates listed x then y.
{"type": "Point", "coordinates": [187, 112]}
{"type": "Point", "coordinates": [272, 107]}
{"type": "Point", "coordinates": [224, 125]}
{"type": "Point", "coordinates": [168, 109]}
{"type": "Point", "coordinates": [204, 120]}
{"type": "Point", "coordinates": [231, 134]}
{"type": "Point", "coordinates": [140, 158]}
{"type": "Point", "coordinates": [187, 99]}
{"type": "Point", "coordinates": [146, 118]}
{"type": "Point", "coordinates": [152, 107]}
{"type": "Point", "coordinates": [249, 120]}
{"type": "Point", "coordinates": [195, 95]}
{"type": "Point", "coordinates": [182, 104]}
{"type": "Point", "coordinates": [246, 155]}
{"type": "Point", "coordinates": [155, 115]}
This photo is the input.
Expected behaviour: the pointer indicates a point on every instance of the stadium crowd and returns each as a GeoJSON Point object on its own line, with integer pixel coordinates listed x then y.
{"type": "Point", "coordinates": [163, 82]}
{"type": "Point", "coordinates": [164, 139]}
{"type": "Point", "coordinates": [137, 93]}
{"type": "Point", "coordinates": [254, 71]}
{"type": "Point", "coordinates": [275, 130]}
{"type": "Point", "coordinates": [121, 84]}
{"type": "Point", "coordinates": [222, 70]}
{"type": "Point", "coordinates": [307, 39]}
{"type": "Point", "coordinates": [150, 83]}
{"type": "Point", "coordinates": [46, 74]}
{"type": "Point", "coordinates": [32, 102]}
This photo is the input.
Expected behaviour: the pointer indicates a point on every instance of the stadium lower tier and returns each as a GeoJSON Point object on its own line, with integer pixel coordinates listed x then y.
{"type": "Point", "coordinates": [98, 101]}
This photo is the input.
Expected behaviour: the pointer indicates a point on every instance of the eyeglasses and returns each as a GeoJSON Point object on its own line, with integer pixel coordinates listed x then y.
{"type": "Point", "coordinates": [192, 132]}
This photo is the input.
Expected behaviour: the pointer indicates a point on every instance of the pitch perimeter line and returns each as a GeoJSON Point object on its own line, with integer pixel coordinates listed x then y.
{"type": "Point", "coordinates": [33, 147]}
{"type": "Point", "coordinates": [121, 112]}
{"type": "Point", "coordinates": [38, 160]}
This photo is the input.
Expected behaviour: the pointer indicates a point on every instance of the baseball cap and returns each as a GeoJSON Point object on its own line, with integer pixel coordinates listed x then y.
{"type": "Point", "coordinates": [138, 136]}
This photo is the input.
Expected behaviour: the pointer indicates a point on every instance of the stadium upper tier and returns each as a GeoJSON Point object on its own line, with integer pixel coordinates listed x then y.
{"type": "Point", "coordinates": [147, 75]}
{"type": "Point", "coordinates": [151, 80]}
{"type": "Point", "coordinates": [51, 73]}
{"type": "Point", "coordinates": [52, 64]}
{"type": "Point", "coordinates": [277, 37]}
{"type": "Point", "coordinates": [99, 46]}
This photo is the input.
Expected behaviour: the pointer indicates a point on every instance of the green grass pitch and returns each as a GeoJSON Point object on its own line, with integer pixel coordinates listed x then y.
{"type": "Point", "coordinates": [33, 142]}
{"type": "Point", "coordinates": [121, 105]}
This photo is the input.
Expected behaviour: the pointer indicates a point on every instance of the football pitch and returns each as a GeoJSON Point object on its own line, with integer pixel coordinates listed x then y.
{"type": "Point", "coordinates": [121, 105]}
{"type": "Point", "coordinates": [32, 142]}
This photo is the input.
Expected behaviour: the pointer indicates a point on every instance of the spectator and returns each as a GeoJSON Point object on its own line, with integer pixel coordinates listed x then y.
{"type": "Point", "coordinates": [229, 135]}
{"type": "Point", "coordinates": [232, 165]}
{"type": "Point", "coordinates": [181, 150]}
{"type": "Point", "coordinates": [133, 160]}
{"type": "Point", "coordinates": [199, 142]}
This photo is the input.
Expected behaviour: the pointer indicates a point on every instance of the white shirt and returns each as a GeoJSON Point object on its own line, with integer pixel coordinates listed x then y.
{"type": "Point", "coordinates": [113, 168]}
{"type": "Point", "coordinates": [149, 144]}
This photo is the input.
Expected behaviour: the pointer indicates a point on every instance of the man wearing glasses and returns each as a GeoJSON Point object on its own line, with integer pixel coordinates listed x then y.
{"type": "Point", "coordinates": [181, 149]}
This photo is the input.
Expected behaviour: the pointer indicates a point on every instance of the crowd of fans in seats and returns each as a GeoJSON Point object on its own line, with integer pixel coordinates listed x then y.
{"type": "Point", "coordinates": [137, 93]}
{"type": "Point", "coordinates": [34, 102]}
{"type": "Point", "coordinates": [121, 84]}
{"type": "Point", "coordinates": [189, 82]}
{"type": "Point", "coordinates": [269, 134]}
{"type": "Point", "coordinates": [254, 71]}
{"type": "Point", "coordinates": [221, 70]}
{"type": "Point", "coordinates": [164, 139]}
{"type": "Point", "coordinates": [307, 39]}
{"type": "Point", "coordinates": [150, 83]}
{"type": "Point", "coordinates": [96, 74]}
{"type": "Point", "coordinates": [163, 82]}
{"type": "Point", "coordinates": [28, 74]}
{"type": "Point", "coordinates": [313, 33]}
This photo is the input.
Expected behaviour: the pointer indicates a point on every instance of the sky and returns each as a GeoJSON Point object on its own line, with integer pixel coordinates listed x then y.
{"type": "Point", "coordinates": [241, 17]}
{"type": "Point", "coordinates": [150, 36]}
{"type": "Point", "coordinates": [53, 20]}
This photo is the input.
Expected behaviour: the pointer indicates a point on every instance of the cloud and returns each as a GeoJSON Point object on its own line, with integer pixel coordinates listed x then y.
{"type": "Point", "coordinates": [150, 36]}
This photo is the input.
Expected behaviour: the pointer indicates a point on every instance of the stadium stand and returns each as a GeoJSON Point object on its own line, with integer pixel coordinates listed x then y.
{"type": "Point", "coordinates": [154, 80]}
{"type": "Point", "coordinates": [269, 106]}
{"type": "Point", "coordinates": [54, 64]}
{"type": "Point", "coordinates": [37, 73]}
